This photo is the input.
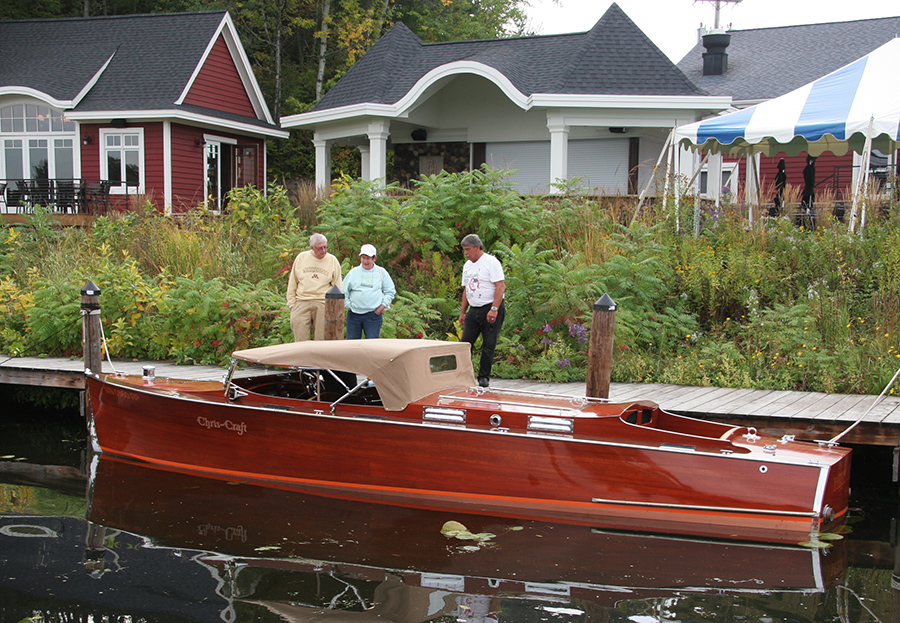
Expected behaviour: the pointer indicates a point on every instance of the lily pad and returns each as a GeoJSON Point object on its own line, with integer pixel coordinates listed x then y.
{"type": "Point", "coordinates": [453, 526]}
{"type": "Point", "coordinates": [815, 544]}
{"type": "Point", "coordinates": [455, 530]}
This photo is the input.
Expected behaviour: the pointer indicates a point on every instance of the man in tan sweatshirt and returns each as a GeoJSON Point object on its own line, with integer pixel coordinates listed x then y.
{"type": "Point", "coordinates": [313, 274]}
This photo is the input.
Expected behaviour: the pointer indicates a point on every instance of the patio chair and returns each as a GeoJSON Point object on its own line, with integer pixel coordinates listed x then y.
{"type": "Point", "coordinates": [92, 196]}
{"type": "Point", "coordinates": [66, 196]}
{"type": "Point", "coordinates": [17, 196]}
{"type": "Point", "coordinates": [42, 193]}
{"type": "Point", "coordinates": [105, 186]}
{"type": "Point", "coordinates": [3, 186]}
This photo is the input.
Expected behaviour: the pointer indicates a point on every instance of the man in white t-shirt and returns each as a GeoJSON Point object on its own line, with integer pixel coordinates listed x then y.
{"type": "Point", "coordinates": [482, 311]}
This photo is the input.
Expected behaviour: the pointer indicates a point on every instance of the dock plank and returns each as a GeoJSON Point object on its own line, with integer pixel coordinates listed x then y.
{"type": "Point", "coordinates": [722, 401]}
{"type": "Point", "coordinates": [761, 398]}
{"type": "Point", "coordinates": [823, 406]}
{"type": "Point", "coordinates": [781, 406]}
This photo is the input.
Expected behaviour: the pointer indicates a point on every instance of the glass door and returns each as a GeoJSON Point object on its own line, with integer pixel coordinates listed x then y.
{"type": "Point", "coordinates": [213, 190]}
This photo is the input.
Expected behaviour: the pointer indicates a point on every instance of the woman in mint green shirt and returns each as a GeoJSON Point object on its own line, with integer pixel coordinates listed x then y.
{"type": "Point", "coordinates": [368, 291]}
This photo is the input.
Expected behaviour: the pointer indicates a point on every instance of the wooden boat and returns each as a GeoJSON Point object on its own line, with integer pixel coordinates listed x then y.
{"type": "Point", "coordinates": [402, 421]}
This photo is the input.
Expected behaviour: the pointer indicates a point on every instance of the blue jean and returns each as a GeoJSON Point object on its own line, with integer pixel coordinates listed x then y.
{"type": "Point", "coordinates": [369, 322]}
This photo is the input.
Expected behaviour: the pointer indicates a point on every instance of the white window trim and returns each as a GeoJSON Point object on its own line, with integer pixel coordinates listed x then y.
{"type": "Point", "coordinates": [728, 171]}
{"type": "Point", "coordinates": [209, 138]}
{"type": "Point", "coordinates": [49, 135]}
{"type": "Point", "coordinates": [104, 174]}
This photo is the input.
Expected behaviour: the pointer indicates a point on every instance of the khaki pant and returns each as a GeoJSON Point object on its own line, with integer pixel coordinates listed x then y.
{"type": "Point", "coordinates": [306, 314]}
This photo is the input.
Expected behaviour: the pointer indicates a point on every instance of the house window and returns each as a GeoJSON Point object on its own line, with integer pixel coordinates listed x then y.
{"type": "Point", "coordinates": [122, 159]}
{"type": "Point", "coordinates": [33, 118]}
{"type": "Point", "coordinates": [35, 145]}
{"type": "Point", "coordinates": [39, 159]}
{"type": "Point", "coordinates": [727, 185]}
{"type": "Point", "coordinates": [245, 158]}
{"type": "Point", "coordinates": [13, 159]}
{"type": "Point", "coordinates": [64, 158]}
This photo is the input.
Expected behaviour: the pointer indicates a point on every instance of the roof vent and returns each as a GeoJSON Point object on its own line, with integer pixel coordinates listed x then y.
{"type": "Point", "coordinates": [715, 59]}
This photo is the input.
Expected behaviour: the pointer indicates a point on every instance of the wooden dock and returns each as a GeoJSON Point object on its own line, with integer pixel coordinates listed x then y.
{"type": "Point", "coordinates": [808, 415]}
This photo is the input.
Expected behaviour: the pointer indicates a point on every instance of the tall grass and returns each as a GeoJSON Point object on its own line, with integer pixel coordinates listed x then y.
{"type": "Point", "coordinates": [761, 304]}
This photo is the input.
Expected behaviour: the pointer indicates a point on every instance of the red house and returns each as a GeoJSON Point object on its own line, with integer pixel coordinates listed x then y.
{"type": "Point", "coordinates": [112, 112]}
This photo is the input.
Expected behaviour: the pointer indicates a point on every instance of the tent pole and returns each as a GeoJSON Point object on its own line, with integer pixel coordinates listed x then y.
{"type": "Point", "coordinates": [862, 179]}
{"type": "Point", "coordinates": [867, 161]}
{"type": "Point", "coordinates": [668, 145]}
{"type": "Point", "coordinates": [670, 176]}
{"type": "Point", "coordinates": [697, 202]}
{"type": "Point", "coordinates": [751, 190]}
{"type": "Point", "coordinates": [697, 171]}
{"type": "Point", "coordinates": [731, 175]}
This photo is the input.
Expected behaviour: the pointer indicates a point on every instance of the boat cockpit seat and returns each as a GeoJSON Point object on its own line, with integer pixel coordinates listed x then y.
{"type": "Point", "coordinates": [643, 417]}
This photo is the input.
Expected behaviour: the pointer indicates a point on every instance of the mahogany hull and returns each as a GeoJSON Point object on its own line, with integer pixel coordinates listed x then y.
{"type": "Point", "coordinates": [780, 494]}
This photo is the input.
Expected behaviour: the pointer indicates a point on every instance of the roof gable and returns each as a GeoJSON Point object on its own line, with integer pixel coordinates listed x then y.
{"type": "Point", "coordinates": [219, 74]}
{"type": "Point", "coordinates": [619, 56]}
{"type": "Point", "coordinates": [767, 62]}
{"type": "Point", "coordinates": [613, 58]}
{"type": "Point", "coordinates": [60, 71]}
{"type": "Point", "coordinates": [132, 65]}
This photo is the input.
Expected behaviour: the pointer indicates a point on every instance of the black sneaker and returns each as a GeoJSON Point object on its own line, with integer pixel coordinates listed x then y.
{"type": "Point", "coordinates": [484, 381]}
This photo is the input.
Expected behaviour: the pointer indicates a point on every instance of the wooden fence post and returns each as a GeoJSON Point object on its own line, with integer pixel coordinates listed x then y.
{"type": "Point", "coordinates": [334, 314]}
{"type": "Point", "coordinates": [600, 348]}
{"type": "Point", "coordinates": [90, 327]}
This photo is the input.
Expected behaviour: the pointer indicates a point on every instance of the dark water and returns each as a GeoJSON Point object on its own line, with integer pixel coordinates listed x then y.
{"type": "Point", "coordinates": [84, 538]}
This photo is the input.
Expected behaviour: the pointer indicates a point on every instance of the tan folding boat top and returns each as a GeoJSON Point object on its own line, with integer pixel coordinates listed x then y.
{"type": "Point", "coordinates": [403, 370]}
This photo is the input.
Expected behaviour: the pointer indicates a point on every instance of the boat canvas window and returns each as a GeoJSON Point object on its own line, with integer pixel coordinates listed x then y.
{"type": "Point", "coordinates": [442, 363]}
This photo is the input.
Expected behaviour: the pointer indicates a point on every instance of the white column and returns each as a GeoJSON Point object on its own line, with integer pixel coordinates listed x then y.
{"type": "Point", "coordinates": [365, 154]}
{"type": "Point", "coordinates": [559, 152]}
{"type": "Point", "coordinates": [378, 134]}
{"type": "Point", "coordinates": [323, 166]}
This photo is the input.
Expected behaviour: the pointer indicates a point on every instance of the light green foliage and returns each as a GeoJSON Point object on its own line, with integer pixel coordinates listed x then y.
{"type": "Point", "coordinates": [405, 225]}
{"type": "Point", "coordinates": [410, 315]}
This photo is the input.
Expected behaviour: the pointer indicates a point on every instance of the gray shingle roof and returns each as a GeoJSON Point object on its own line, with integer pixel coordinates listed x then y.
{"type": "Point", "coordinates": [767, 62]}
{"type": "Point", "coordinates": [613, 58]}
{"type": "Point", "coordinates": [153, 58]}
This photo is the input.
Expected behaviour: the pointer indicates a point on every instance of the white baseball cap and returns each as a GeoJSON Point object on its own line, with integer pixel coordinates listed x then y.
{"type": "Point", "coordinates": [368, 249]}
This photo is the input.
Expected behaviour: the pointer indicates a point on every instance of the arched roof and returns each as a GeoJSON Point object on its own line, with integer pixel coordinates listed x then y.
{"type": "Point", "coordinates": [613, 58]}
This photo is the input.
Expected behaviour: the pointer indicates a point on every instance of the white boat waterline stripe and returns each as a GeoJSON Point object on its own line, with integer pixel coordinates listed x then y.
{"type": "Point", "coordinates": [697, 507]}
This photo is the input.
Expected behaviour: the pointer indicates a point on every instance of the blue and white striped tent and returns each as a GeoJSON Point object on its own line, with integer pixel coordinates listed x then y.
{"type": "Point", "coordinates": [832, 114]}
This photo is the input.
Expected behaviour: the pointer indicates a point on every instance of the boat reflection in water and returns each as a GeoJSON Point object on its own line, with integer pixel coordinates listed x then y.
{"type": "Point", "coordinates": [298, 554]}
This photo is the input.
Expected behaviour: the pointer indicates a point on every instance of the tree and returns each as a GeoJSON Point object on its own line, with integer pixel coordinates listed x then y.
{"type": "Point", "coordinates": [323, 46]}
{"type": "Point", "coordinates": [266, 26]}
{"type": "Point", "coordinates": [455, 20]}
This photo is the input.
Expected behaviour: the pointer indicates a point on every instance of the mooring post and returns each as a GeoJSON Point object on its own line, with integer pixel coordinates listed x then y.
{"type": "Point", "coordinates": [600, 348]}
{"type": "Point", "coordinates": [90, 327]}
{"type": "Point", "coordinates": [334, 314]}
